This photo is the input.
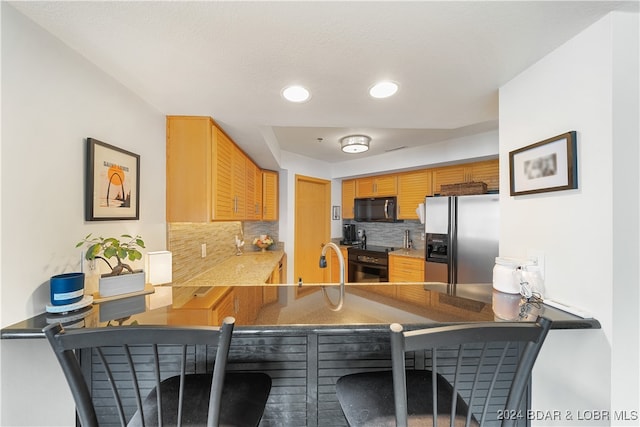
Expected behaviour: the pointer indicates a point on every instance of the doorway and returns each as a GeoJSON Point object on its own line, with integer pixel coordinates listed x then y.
{"type": "Point", "coordinates": [312, 230]}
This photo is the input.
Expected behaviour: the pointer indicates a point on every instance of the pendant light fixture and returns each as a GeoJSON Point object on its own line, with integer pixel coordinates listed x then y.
{"type": "Point", "coordinates": [353, 144]}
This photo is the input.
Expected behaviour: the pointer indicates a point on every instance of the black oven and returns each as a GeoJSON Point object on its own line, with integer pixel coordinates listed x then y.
{"type": "Point", "coordinates": [368, 265]}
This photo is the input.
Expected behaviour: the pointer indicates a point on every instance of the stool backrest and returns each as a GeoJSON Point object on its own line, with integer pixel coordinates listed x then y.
{"type": "Point", "coordinates": [482, 349]}
{"type": "Point", "coordinates": [145, 350]}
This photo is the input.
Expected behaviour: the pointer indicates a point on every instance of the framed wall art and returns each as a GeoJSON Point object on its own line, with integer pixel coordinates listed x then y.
{"type": "Point", "coordinates": [112, 183]}
{"type": "Point", "coordinates": [549, 165]}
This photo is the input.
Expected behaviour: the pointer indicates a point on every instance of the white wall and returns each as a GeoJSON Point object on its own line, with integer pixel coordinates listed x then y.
{"type": "Point", "coordinates": [591, 258]}
{"type": "Point", "coordinates": [52, 99]}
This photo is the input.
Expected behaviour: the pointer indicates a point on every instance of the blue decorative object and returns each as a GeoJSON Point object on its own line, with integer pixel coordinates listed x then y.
{"type": "Point", "coordinates": [66, 288]}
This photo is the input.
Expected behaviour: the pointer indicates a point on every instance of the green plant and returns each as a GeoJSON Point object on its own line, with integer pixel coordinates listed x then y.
{"type": "Point", "coordinates": [105, 248]}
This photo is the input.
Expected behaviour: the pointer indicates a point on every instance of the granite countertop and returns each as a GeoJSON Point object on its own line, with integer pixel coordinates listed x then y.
{"type": "Point", "coordinates": [411, 253]}
{"type": "Point", "coordinates": [367, 305]}
{"type": "Point", "coordinates": [250, 268]}
{"type": "Point", "coordinates": [365, 308]}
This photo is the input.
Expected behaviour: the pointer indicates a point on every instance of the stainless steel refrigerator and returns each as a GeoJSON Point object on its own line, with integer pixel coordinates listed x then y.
{"type": "Point", "coordinates": [462, 234]}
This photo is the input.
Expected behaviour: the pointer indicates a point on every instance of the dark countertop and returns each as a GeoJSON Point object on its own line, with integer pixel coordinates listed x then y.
{"type": "Point", "coordinates": [365, 308]}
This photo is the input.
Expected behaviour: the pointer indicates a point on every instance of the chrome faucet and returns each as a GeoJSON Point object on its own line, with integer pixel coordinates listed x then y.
{"type": "Point", "coordinates": [323, 264]}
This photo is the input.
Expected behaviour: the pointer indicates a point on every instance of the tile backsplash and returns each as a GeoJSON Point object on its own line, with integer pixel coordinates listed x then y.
{"type": "Point", "coordinates": [391, 234]}
{"type": "Point", "coordinates": [185, 240]}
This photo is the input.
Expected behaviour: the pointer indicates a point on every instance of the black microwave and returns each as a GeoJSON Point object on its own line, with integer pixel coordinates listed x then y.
{"type": "Point", "coordinates": [376, 209]}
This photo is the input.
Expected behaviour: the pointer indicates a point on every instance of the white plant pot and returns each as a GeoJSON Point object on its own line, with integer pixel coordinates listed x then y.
{"type": "Point", "coordinates": [122, 284]}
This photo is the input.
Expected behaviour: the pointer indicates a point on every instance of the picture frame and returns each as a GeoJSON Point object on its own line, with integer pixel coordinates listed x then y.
{"type": "Point", "coordinates": [549, 165]}
{"type": "Point", "coordinates": [112, 186]}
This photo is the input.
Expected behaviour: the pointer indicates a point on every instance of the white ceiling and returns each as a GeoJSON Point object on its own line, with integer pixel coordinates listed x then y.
{"type": "Point", "coordinates": [230, 60]}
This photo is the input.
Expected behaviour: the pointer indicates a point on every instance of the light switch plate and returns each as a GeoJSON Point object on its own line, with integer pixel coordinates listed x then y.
{"type": "Point", "coordinates": [203, 250]}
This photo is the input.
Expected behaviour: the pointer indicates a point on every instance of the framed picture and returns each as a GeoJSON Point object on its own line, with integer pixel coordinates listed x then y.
{"type": "Point", "coordinates": [549, 165]}
{"type": "Point", "coordinates": [112, 184]}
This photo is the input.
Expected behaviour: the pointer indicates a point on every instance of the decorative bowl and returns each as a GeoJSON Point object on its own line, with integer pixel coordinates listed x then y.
{"type": "Point", "coordinates": [263, 242]}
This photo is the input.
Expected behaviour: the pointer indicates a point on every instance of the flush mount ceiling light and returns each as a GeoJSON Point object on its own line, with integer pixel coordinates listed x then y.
{"type": "Point", "coordinates": [383, 89]}
{"type": "Point", "coordinates": [296, 94]}
{"type": "Point", "coordinates": [353, 144]}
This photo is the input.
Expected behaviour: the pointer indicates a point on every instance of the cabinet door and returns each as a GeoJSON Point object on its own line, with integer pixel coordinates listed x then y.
{"type": "Point", "coordinates": [223, 191]}
{"type": "Point", "coordinates": [348, 194]}
{"type": "Point", "coordinates": [188, 180]}
{"type": "Point", "coordinates": [223, 309]}
{"type": "Point", "coordinates": [448, 175]}
{"type": "Point", "coordinates": [413, 187]}
{"type": "Point", "coordinates": [405, 269]}
{"type": "Point", "coordinates": [334, 266]}
{"type": "Point", "coordinates": [365, 187]}
{"type": "Point", "coordinates": [257, 194]}
{"type": "Point", "coordinates": [374, 186]}
{"type": "Point", "coordinates": [269, 195]}
{"type": "Point", "coordinates": [386, 185]}
{"type": "Point", "coordinates": [487, 172]}
{"type": "Point", "coordinates": [238, 181]}
{"type": "Point", "coordinates": [253, 196]}
{"type": "Point", "coordinates": [408, 269]}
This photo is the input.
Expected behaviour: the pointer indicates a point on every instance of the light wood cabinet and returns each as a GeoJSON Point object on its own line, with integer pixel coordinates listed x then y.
{"type": "Point", "coordinates": [374, 186]}
{"type": "Point", "coordinates": [247, 303]}
{"type": "Point", "coordinates": [270, 293]}
{"type": "Point", "coordinates": [208, 310]}
{"type": "Point", "coordinates": [189, 170]}
{"type": "Point", "coordinates": [348, 194]}
{"type": "Point", "coordinates": [223, 205]}
{"type": "Point", "coordinates": [413, 187]}
{"type": "Point", "coordinates": [253, 191]}
{"type": "Point", "coordinates": [485, 171]}
{"type": "Point", "coordinates": [209, 178]}
{"type": "Point", "coordinates": [409, 269]}
{"type": "Point", "coordinates": [334, 266]}
{"type": "Point", "coordinates": [405, 269]}
{"type": "Point", "coordinates": [269, 195]}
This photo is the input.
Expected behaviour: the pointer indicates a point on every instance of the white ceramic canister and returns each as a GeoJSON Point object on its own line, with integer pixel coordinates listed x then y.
{"type": "Point", "coordinates": [505, 277]}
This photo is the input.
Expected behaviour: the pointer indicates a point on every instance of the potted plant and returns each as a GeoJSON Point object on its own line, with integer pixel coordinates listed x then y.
{"type": "Point", "coordinates": [122, 279]}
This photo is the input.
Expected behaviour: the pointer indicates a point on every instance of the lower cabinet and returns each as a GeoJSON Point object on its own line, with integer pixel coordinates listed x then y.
{"type": "Point", "coordinates": [409, 269]}
{"type": "Point", "coordinates": [278, 276]}
{"type": "Point", "coordinates": [209, 309]}
{"type": "Point", "coordinates": [242, 302]}
{"type": "Point", "coordinates": [334, 266]}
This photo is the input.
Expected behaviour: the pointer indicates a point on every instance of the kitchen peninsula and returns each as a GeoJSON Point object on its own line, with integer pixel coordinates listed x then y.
{"type": "Point", "coordinates": [302, 344]}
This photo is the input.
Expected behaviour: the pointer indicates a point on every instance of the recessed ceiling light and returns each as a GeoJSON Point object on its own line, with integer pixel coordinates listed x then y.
{"type": "Point", "coordinates": [383, 89]}
{"type": "Point", "coordinates": [296, 94]}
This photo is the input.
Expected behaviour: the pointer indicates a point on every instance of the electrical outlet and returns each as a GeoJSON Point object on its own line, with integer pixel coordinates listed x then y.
{"type": "Point", "coordinates": [538, 256]}
{"type": "Point", "coordinates": [203, 250]}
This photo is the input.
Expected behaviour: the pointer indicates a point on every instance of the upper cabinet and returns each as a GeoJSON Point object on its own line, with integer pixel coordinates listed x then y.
{"type": "Point", "coordinates": [348, 194]}
{"type": "Point", "coordinates": [189, 169]}
{"type": "Point", "coordinates": [209, 177]}
{"type": "Point", "coordinates": [413, 187]}
{"type": "Point", "coordinates": [269, 195]}
{"type": "Point", "coordinates": [485, 171]}
{"type": "Point", "coordinates": [374, 186]}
